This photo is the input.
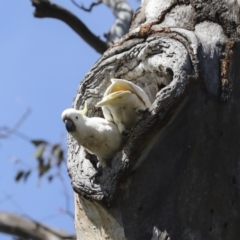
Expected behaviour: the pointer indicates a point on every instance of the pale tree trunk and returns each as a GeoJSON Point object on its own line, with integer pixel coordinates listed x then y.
{"type": "Point", "coordinates": [178, 175]}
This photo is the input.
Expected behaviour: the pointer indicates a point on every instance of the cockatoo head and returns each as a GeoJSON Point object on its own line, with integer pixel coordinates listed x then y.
{"type": "Point", "coordinates": [72, 118]}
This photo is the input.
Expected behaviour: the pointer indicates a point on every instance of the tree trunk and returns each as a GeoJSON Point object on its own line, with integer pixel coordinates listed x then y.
{"type": "Point", "coordinates": [178, 174]}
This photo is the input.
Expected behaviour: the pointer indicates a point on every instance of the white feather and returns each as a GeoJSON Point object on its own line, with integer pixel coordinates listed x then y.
{"type": "Point", "coordinates": [96, 135]}
{"type": "Point", "coordinates": [121, 103]}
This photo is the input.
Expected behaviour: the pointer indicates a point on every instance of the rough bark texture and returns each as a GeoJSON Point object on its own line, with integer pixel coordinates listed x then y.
{"type": "Point", "coordinates": [178, 174]}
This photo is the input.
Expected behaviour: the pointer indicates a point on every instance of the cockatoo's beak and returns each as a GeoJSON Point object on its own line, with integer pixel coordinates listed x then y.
{"type": "Point", "coordinates": [70, 126]}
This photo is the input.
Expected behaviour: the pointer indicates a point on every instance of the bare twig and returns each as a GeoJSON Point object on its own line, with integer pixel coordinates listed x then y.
{"type": "Point", "coordinates": [87, 9]}
{"type": "Point", "coordinates": [66, 195]}
{"type": "Point", "coordinates": [6, 132]}
{"type": "Point", "coordinates": [22, 136]}
{"type": "Point", "coordinates": [66, 212]}
{"type": "Point", "coordinates": [10, 199]}
{"type": "Point", "coordinates": [44, 8]}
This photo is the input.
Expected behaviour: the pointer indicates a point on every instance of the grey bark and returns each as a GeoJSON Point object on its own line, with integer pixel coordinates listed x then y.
{"type": "Point", "coordinates": [178, 174]}
{"type": "Point", "coordinates": [123, 14]}
{"type": "Point", "coordinates": [30, 229]}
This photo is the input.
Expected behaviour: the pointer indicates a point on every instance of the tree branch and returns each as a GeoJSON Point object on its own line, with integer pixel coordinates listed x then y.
{"type": "Point", "coordinates": [123, 13]}
{"type": "Point", "coordinates": [26, 228]}
{"type": "Point", "coordinates": [87, 9]}
{"type": "Point", "coordinates": [5, 132]}
{"type": "Point", "coordinates": [45, 8]}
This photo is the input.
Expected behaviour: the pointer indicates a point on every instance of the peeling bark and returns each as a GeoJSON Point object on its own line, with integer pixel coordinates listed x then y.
{"type": "Point", "coordinates": [177, 175]}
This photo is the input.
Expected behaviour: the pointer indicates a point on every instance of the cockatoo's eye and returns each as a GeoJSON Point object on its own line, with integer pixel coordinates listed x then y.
{"type": "Point", "coordinates": [77, 117]}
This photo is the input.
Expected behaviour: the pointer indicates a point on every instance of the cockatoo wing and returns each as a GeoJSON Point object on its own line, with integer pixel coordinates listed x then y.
{"type": "Point", "coordinates": [124, 85]}
{"type": "Point", "coordinates": [109, 99]}
{"type": "Point", "coordinates": [121, 88]}
{"type": "Point", "coordinates": [107, 114]}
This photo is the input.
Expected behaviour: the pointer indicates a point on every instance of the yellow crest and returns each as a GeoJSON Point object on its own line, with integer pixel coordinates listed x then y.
{"type": "Point", "coordinates": [84, 110]}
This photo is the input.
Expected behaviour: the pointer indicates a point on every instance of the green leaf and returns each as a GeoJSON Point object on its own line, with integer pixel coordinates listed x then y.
{"type": "Point", "coordinates": [58, 153]}
{"type": "Point", "coordinates": [38, 142]}
{"type": "Point", "coordinates": [26, 175]}
{"type": "Point", "coordinates": [19, 176]}
{"type": "Point", "coordinates": [55, 148]}
{"type": "Point", "coordinates": [50, 178]}
{"type": "Point", "coordinates": [60, 157]}
{"type": "Point", "coordinates": [40, 151]}
{"type": "Point", "coordinates": [43, 169]}
{"type": "Point", "coordinates": [40, 162]}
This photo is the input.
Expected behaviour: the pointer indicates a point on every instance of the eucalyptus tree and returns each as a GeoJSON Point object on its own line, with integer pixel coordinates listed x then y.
{"type": "Point", "coordinates": [177, 176]}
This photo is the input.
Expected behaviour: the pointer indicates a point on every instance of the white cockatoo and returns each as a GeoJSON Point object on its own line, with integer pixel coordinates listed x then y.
{"type": "Point", "coordinates": [124, 103]}
{"type": "Point", "coordinates": [96, 135]}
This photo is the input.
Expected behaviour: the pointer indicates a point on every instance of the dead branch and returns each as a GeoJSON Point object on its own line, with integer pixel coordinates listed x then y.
{"type": "Point", "coordinates": [123, 14]}
{"type": "Point", "coordinates": [27, 228]}
{"type": "Point", "coordinates": [89, 9]}
{"type": "Point", "coordinates": [44, 8]}
{"type": "Point", "coordinates": [6, 132]}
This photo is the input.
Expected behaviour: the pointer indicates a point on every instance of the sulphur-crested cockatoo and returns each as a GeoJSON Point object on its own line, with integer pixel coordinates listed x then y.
{"type": "Point", "coordinates": [123, 103]}
{"type": "Point", "coordinates": [97, 135]}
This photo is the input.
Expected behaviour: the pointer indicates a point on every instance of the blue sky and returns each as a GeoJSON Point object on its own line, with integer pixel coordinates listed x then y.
{"type": "Point", "coordinates": [42, 62]}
